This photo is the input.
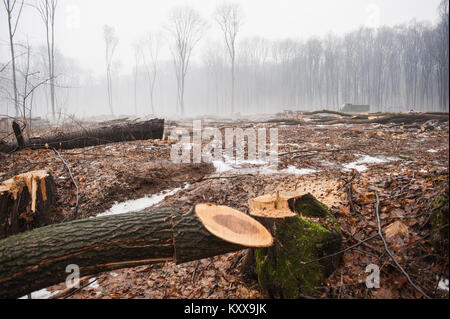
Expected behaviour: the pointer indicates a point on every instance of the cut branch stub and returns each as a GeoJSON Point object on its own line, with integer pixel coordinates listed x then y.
{"type": "Point", "coordinates": [233, 226]}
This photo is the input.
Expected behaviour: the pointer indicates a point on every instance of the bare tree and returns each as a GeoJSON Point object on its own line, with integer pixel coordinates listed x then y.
{"type": "Point", "coordinates": [186, 28]}
{"type": "Point", "coordinates": [13, 11]}
{"type": "Point", "coordinates": [30, 80]}
{"type": "Point", "coordinates": [443, 54]}
{"type": "Point", "coordinates": [230, 18]}
{"type": "Point", "coordinates": [150, 47]}
{"type": "Point", "coordinates": [47, 10]}
{"type": "Point", "coordinates": [137, 50]}
{"type": "Point", "coordinates": [214, 60]}
{"type": "Point", "coordinates": [111, 42]}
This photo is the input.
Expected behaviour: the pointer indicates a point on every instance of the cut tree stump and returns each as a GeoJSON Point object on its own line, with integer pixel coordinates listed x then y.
{"type": "Point", "coordinates": [304, 230]}
{"type": "Point", "coordinates": [153, 129]}
{"type": "Point", "coordinates": [26, 202]}
{"type": "Point", "coordinates": [38, 259]}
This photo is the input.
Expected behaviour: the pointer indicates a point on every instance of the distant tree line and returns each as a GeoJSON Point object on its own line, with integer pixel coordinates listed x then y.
{"type": "Point", "coordinates": [398, 68]}
{"type": "Point", "coordinates": [392, 68]}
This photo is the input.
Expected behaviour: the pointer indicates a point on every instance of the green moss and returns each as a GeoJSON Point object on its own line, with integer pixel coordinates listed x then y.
{"type": "Point", "coordinates": [439, 220]}
{"type": "Point", "coordinates": [309, 206]}
{"type": "Point", "coordinates": [282, 270]}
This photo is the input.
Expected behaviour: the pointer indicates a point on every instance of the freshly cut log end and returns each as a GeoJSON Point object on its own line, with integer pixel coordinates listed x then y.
{"type": "Point", "coordinates": [233, 226]}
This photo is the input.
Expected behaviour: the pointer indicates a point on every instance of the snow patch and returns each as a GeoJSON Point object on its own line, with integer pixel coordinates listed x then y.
{"type": "Point", "coordinates": [222, 167]}
{"type": "Point", "coordinates": [295, 171]}
{"type": "Point", "coordinates": [360, 166]}
{"type": "Point", "coordinates": [432, 151]}
{"type": "Point", "coordinates": [255, 166]}
{"type": "Point", "coordinates": [137, 205]}
{"type": "Point", "coordinates": [443, 284]}
{"type": "Point", "coordinates": [41, 294]}
{"type": "Point", "coordinates": [94, 284]}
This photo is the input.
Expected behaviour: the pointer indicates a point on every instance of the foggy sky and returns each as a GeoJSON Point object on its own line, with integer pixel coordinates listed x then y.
{"type": "Point", "coordinates": [79, 24]}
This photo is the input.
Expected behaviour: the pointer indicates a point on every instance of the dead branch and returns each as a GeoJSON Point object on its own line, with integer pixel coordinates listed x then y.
{"type": "Point", "coordinates": [71, 176]}
{"type": "Point", "coordinates": [380, 233]}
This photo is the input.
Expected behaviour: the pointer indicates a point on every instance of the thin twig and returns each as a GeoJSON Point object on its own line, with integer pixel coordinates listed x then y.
{"type": "Point", "coordinates": [380, 233]}
{"type": "Point", "coordinates": [194, 275]}
{"type": "Point", "coordinates": [73, 179]}
{"type": "Point", "coordinates": [342, 251]}
{"type": "Point", "coordinates": [323, 150]}
{"type": "Point", "coordinates": [213, 178]}
{"type": "Point", "coordinates": [347, 182]}
{"type": "Point", "coordinates": [78, 289]}
{"type": "Point", "coordinates": [350, 198]}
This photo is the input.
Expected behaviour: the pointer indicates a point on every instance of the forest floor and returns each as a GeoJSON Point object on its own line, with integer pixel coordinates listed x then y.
{"type": "Point", "coordinates": [407, 167]}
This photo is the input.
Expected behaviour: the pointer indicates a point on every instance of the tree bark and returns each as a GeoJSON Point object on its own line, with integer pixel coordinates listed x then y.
{"type": "Point", "coordinates": [18, 133]}
{"type": "Point", "coordinates": [26, 202]}
{"type": "Point", "coordinates": [152, 129]}
{"type": "Point", "coordinates": [38, 259]}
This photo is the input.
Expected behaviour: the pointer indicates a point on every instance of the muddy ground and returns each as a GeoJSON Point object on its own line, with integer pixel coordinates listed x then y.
{"type": "Point", "coordinates": [408, 167]}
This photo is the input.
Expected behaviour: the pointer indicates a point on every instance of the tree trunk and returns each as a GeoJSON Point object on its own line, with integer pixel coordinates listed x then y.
{"type": "Point", "coordinates": [152, 129]}
{"type": "Point", "coordinates": [18, 133]}
{"type": "Point", "coordinates": [38, 259]}
{"type": "Point", "coordinates": [26, 202]}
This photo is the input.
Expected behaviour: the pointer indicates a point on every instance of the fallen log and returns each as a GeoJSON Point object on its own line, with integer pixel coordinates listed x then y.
{"type": "Point", "coordinates": [38, 259]}
{"type": "Point", "coordinates": [385, 118]}
{"type": "Point", "coordinates": [375, 118]}
{"type": "Point", "coordinates": [26, 202]}
{"type": "Point", "coordinates": [153, 129]}
{"type": "Point", "coordinates": [327, 112]}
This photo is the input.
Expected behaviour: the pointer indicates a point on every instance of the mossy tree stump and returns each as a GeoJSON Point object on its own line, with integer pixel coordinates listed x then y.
{"type": "Point", "coordinates": [304, 230]}
{"type": "Point", "coordinates": [439, 222]}
{"type": "Point", "coordinates": [26, 202]}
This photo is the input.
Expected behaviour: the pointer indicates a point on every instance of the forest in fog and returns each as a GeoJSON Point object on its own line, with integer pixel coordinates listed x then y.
{"type": "Point", "coordinates": [398, 68]}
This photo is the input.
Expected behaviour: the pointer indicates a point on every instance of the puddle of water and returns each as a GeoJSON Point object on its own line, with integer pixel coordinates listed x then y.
{"type": "Point", "coordinates": [137, 205]}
